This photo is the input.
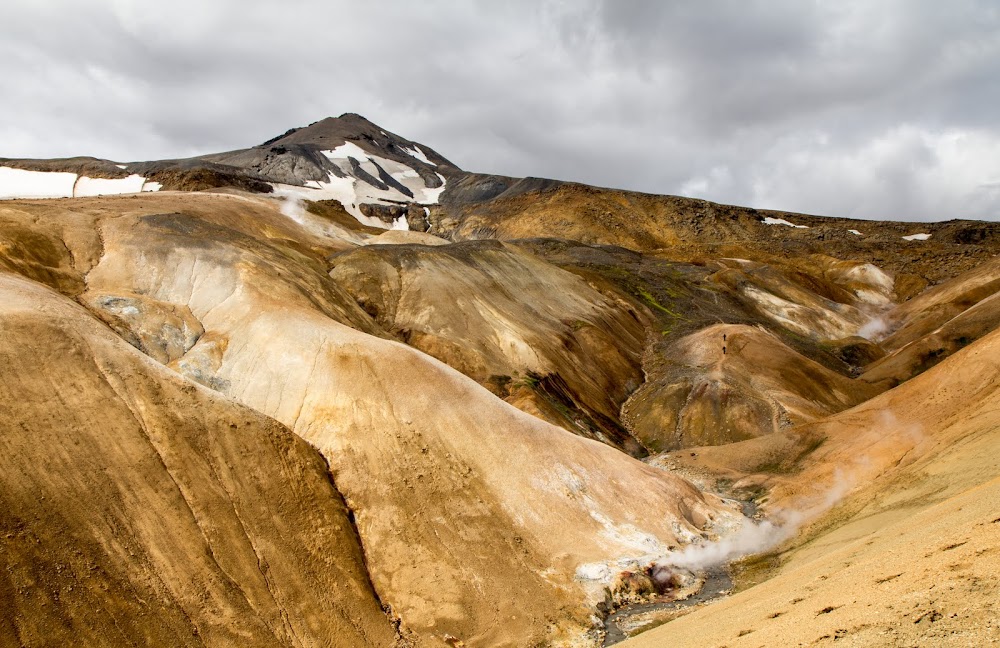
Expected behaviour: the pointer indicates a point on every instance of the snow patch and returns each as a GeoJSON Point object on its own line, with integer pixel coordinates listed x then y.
{"type": "Point", "coordinates": [855, 232]}
{"type": "Point", "coordinates": [923, 236]}
{"type": "Point", "coordinates": [401, 173]}
{"type": "Point", "coordinates": [121, 166]}
{"type": "Point", "coordinates": [433, 196]}
{"type": "Point", "coordinates": [351, 191]}
{"type": "Point", "coordinates": [418, 154]}
{"type": "Point", "coordinates": [20, 183]}
{"type": "Point", "coordinates": [346, 150]}
{"type": "Point", "coordinates": [86, 186]}
{"type": "Point", "coordinates": [339, 189]}
{"type": "Point", "coordinates": [781, 221]}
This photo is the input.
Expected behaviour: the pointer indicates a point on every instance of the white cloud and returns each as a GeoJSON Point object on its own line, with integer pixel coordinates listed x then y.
{"type": "Point", "coordinates": [906, 173]}
{"type": "Point", "coordinates": [851, 107]}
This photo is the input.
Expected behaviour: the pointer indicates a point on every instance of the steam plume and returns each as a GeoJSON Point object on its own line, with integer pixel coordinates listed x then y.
{"type": "Point", "coordinates": [291, 206]}
{"type": "Point", "coordinates": [874, 329]}
{"type": "Point", "coordinates": [755, 537]}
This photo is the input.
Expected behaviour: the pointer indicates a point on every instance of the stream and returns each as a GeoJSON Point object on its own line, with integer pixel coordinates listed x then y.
{"type": "Point", "coordinates": [718, 583]}
{"type": "Point", "coordinates": [628, 621]}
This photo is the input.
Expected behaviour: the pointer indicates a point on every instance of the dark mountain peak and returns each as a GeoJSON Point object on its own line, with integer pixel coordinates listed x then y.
{"type": "Point", "coordinates": [349, 116]}
{"type": "Point", "coordinates": [332, 132]}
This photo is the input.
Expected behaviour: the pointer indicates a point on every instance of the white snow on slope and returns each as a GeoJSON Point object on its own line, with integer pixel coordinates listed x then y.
{"type": "Point", "coordinates": [20, 183]}
{"type": "Point", "coordinates": [923, 236]}
{"type": "Point", "coordinates": [855, 232]}
{"type": "Point", "coordinates": [351, 192]}
{"type": "Point", "coordinates": [433, 196]}
{"type": "Point", "coordinates": [418, 154]}
{"type": "Point", "coordinates": [401, 173]}
{"type": "Point", "coordinates": [104, 186]}
{"type": "Point", "coordinates": [339, 189]}
{"type": "Point", "coordinates": [781, 221]}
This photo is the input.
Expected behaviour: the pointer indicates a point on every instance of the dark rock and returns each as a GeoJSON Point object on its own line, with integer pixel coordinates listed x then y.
{"type": "Point", "coordinates": [385, 213]}
{"type": "Point", "coordinates": [416, 217]}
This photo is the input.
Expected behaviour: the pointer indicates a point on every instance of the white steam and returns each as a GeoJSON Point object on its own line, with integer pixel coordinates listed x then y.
{"type": "Point", "coordinates": [874, 329]}
{"type": "Point", "coordinates": [291, 206]}
{"type": "Point", "coordinates": [755, 537]}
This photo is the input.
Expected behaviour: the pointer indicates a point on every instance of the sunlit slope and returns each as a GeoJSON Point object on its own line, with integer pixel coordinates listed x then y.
{"type": "Point", "coordinates": [928, 578]}
{"type": "Point", "coordinates": [910, 554]}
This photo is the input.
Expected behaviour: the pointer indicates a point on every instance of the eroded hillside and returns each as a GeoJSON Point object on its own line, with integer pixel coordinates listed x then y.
{"type": "Point", "coordinates": [253, 414]}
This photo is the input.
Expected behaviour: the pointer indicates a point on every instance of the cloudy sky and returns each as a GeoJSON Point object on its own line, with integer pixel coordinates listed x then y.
{"type": "Point", "coordinates": [862, 108]}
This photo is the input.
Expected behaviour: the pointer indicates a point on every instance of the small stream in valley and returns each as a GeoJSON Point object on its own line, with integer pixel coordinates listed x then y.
{"type": "Point", "coordinates": [718, 583]}
{"type": "Point", "coordinates": [630, 620]}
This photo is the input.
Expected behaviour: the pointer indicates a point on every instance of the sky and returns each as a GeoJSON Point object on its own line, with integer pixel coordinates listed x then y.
{"type": "Point", "coordinates": [882, 109]}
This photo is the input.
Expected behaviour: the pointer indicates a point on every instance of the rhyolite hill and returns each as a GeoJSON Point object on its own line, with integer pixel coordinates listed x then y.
{"type": "Point", "coordinates": [335, 390]}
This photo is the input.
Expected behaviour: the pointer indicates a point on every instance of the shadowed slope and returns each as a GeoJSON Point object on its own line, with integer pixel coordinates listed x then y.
{"type": "Point", "coordinates": [139, 508]}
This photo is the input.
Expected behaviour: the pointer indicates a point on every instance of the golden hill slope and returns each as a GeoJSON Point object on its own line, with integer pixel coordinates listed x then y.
{"type": "Point", "coordinates": [728, 383]}
{"type": "Point", "coordinates": [139, 508]}
{"type": "Point", "coordinates": [459, 498]}
{"type": "Point", "coordinates": [911, 555]}
{"type": "Point", "coordinates": [536, 335]}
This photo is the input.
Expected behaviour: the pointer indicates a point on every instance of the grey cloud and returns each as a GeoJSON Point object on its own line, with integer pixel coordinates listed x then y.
{"type": "Point", "coordinates": [874, 110]}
